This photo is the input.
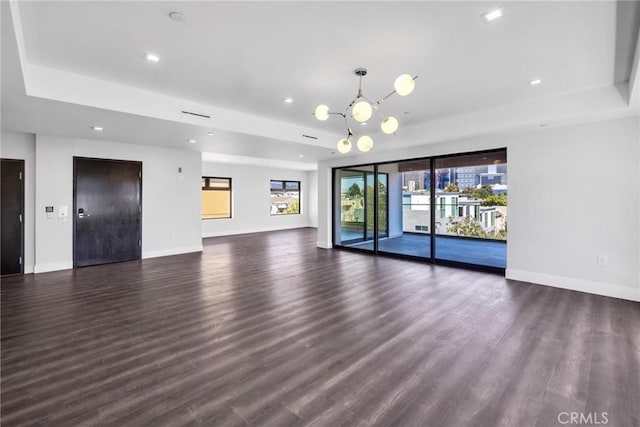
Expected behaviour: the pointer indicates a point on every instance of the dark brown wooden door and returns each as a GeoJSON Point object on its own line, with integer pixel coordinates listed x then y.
{"type": "Point", "coordinates": [107, 211]}
{"type": "Point", "coordinates": [12, 211]}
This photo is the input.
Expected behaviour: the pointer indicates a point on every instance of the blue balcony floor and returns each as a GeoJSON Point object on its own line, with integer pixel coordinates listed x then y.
{"type": "Point", "coordinates": [479, 252]}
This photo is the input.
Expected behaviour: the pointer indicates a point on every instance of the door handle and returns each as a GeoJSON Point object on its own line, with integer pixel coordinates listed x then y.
{"type": "Point", "coordinates": [81, 213]}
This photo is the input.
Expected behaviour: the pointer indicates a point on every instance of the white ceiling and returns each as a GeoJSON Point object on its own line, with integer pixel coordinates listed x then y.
{"type": "Point", "coordinates": [243, 58]}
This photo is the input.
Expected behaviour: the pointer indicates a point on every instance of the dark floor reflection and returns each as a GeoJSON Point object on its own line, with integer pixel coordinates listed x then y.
{"type": "Point", "coordinates": [471, 251]}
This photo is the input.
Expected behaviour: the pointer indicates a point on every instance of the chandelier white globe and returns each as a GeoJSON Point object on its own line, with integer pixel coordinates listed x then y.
{"type": "Point", "coordinates": [365, 143]}
{"type": "Point", "coordinates": [322, 112]}
{"type": "Point", "coordinates": [361, 112]}
{"type": "Point", "coordinates": [344, 146]}
{"type": "Point", "coordinates": [389, 125]}
{"type": "Point", "coordinates": [362, 108]}
{"type": "Point", "coordinates": [404, 85]}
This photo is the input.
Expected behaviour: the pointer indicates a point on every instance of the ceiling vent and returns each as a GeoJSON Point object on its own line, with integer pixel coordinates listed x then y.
{"type": "Point", "coordinates": [309, 136]}
{"type": "Point", "coordinates": [196, 114]}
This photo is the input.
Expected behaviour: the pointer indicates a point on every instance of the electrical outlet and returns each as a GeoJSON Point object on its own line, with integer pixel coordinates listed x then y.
{"type": "Point", "coordinates": [603, 260]}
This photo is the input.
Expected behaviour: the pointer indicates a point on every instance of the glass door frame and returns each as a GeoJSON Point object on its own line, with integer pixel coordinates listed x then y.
{"type": "Point", "coordinates": [365, 176]}
{"type": "Point", "coordinates": [376, 205]}
{"type": "Point", "coordinates": [432, 190]}
{"type": "Point", "coordinates": [364, 181]}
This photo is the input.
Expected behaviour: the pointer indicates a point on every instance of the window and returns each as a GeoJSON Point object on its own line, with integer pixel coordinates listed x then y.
{"type": "Point", "coordinates": [285, 197]}
{"type": "Point", "coordinates": [216, 197]}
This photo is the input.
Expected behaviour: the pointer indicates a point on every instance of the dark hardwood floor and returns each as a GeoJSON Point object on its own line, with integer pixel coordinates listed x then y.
{"type": "Point", "coordinates": [266, 329]}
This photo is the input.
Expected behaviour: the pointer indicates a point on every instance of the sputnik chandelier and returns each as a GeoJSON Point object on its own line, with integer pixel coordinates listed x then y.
{"type": "Point", "coordinates": [362, 109]}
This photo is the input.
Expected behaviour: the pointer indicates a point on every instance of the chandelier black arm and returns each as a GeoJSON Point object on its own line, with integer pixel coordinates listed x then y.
{"type": "Point", "coordinates": [368, 100]}
{"type": "Point", "coordinates": [377, 104]}
{"type": "Point", "coordinates": [358, 96]}
{"type": "Point", "coordinates": [346, 122]}
{"type": "Point", "coordinates": [381, 100]}
{"type": "Point", "coordinates": [352, 103]}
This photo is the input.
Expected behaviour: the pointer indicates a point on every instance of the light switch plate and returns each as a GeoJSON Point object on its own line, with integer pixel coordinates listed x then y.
{"type": "Point", "coordinates": [63, 211]}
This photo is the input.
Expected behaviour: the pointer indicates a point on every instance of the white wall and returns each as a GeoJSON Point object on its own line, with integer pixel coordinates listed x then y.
{"type": "Point", "coordinates": [170, 204]}
{"type": "Point", "coordinates": [312, 199]}
{"type": "Point", "coordinates": [574, 194]}
{"type": "Point", "coordinates": [22, 146]}
{"type": "Point", "coordinates": [250, 199]}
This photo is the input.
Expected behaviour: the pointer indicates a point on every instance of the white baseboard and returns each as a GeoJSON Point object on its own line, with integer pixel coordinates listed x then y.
{"type": "Point", "coordinates": [52, 266]}
{"type": "Point", "coordinates": [324, 245]}
{"type": "Point", "coordinates": [248, 231]}
{"type": "Point", "coordinates": [597, 288]}
{"type": "Point", "coordinates": [171, 251]}
{"type": "Point", "coordinates": [56, 266]}
{"type": "Point", "coordinates": [28, 268]}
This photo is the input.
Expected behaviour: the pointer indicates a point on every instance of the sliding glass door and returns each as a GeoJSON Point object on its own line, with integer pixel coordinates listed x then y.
{"type": "Point", "coordinates": [448, 209]}
{"type": "Point", "coordinates": [471, 219]}
{"type": "Point", "coordinates": [355, 193]}
{"type": "Point", "coordinates": [409, 213]}
{"type": "Point", "coordinates": [353, 205]}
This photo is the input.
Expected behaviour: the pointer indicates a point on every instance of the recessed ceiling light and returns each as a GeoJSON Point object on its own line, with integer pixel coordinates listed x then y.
{"type": "Point", "coordinates": [287, 100]}
{"type": "Point", "coordinates": [176, 16]}
{"type": "Point", "coordinates": [535, 82]}
{"type": "Point", "coordinates": [300, 155]}
{"type": "Point", "coordinates": [492, 15]}
{"type": "Point", "coordinates": [192, 141]}
{"type": "Point", "coordinates": [97, 128]}
{"type": "Point", "coordinates": [151, 57]}
{"type": "Point", "coordinates": [210, 133]}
